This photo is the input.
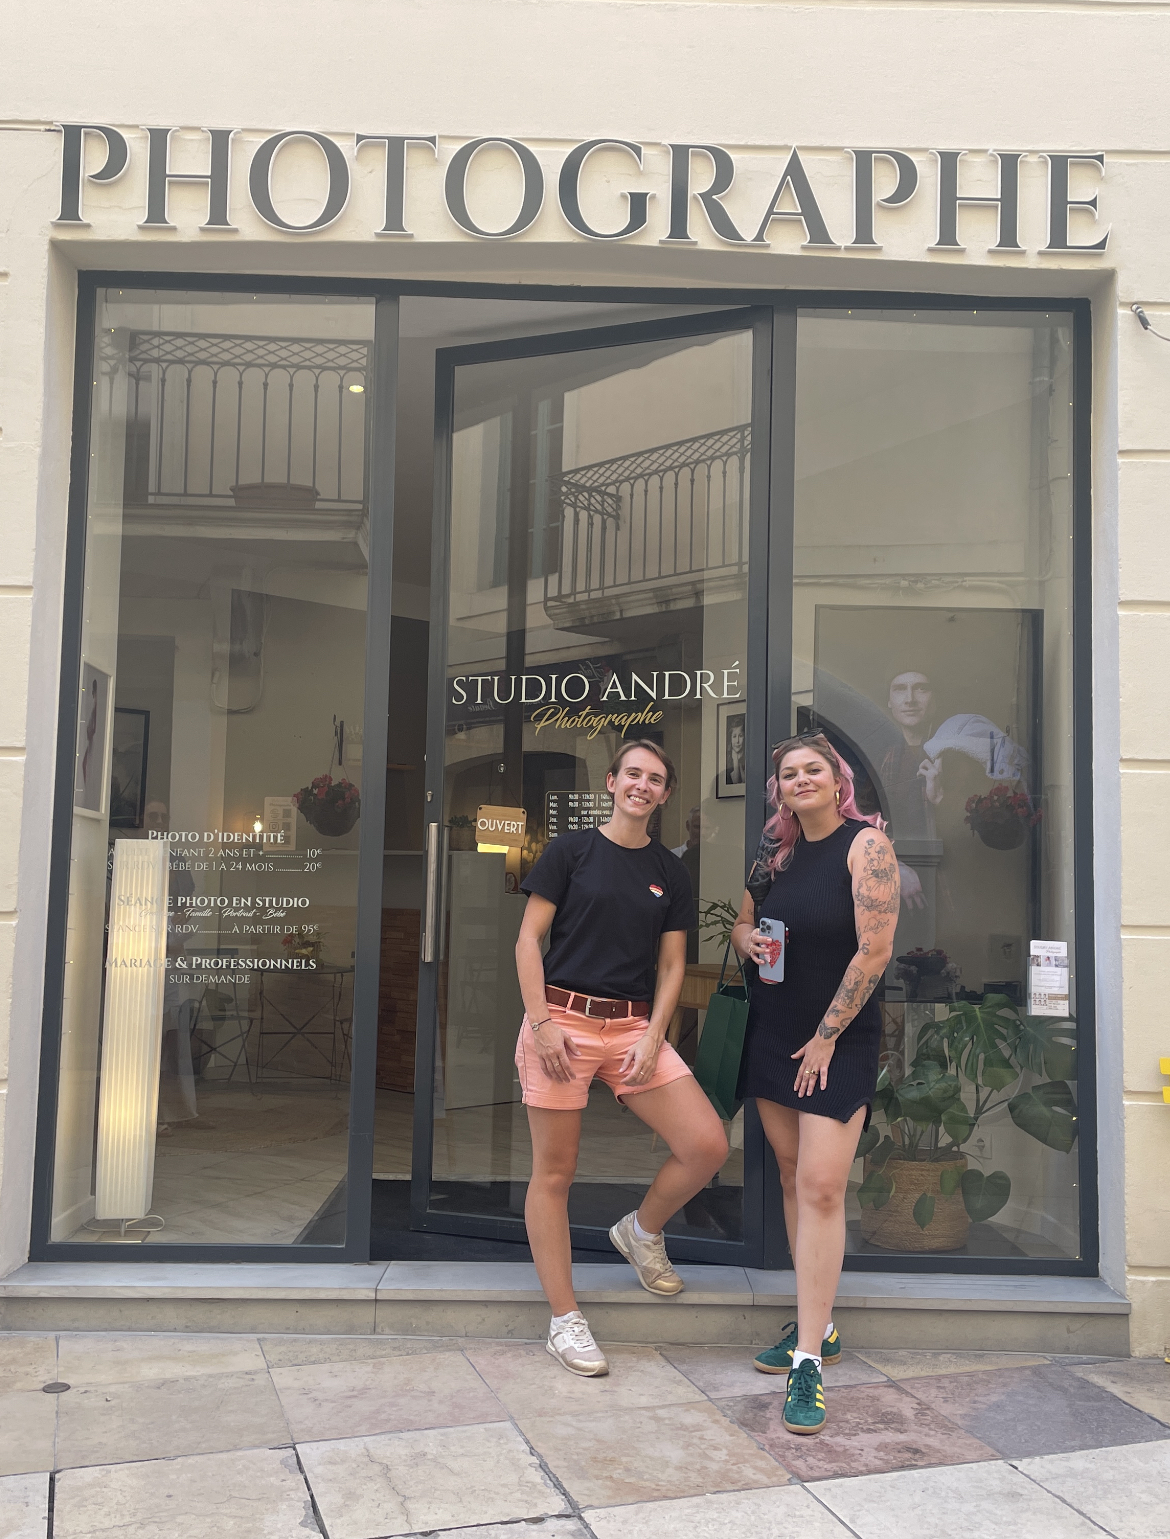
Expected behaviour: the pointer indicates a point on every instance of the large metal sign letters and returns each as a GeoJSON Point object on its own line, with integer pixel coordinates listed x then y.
{"type": "Point", "coordinates": [689, 181]}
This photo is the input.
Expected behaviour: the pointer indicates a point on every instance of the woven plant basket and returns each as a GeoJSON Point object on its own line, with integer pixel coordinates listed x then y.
{"type": "Point", "coordinates": [894, 1227]}
{"type": "Point", "coordinates": [999, 830]}
{"type": "Point", "coordinates": [333, 822]}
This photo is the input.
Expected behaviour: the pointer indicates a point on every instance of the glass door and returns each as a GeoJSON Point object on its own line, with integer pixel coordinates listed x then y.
{"type": "Point", "coordinates": [599, 505]}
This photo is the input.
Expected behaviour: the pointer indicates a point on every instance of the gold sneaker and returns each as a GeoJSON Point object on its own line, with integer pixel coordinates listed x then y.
{"type": "Point", "coordinates": [572, 1344]}
{"type": "Point", "coordinates": [647, 1257]}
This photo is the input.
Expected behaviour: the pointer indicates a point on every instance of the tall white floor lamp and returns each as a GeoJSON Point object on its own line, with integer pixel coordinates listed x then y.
{"type": "Point", "coordinates": [136, 972]}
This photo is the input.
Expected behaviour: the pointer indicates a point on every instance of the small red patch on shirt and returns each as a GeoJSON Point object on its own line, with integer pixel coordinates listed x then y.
{"type": "Point", "coordinates": [655, 889]}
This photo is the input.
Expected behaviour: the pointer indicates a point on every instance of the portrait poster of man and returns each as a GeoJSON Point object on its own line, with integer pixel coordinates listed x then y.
{"type": "Point", "coordinates": [941, 707]}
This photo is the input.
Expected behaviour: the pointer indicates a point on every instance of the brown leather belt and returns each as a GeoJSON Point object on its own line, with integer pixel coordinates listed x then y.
{"type": "Point", "coordinates": [597, 1009]}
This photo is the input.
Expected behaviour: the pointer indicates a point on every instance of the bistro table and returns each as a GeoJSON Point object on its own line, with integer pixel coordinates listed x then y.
{"type": "Point", "coordinates": [305, 1022]}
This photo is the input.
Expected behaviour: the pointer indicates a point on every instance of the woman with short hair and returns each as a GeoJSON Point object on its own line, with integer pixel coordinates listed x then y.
{"type": "Point", "coordinates": [619, 906]}
{"type": "Point", "coordinates": [810, 1057]}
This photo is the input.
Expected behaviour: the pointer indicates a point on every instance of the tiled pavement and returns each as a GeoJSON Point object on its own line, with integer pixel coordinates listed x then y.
{"type": "Point", "coordinates": [288, 1437]}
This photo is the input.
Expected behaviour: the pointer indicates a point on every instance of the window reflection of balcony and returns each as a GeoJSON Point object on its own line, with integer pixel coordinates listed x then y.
{"type": "Point", "coordinates": [662, 529]}
{"type": "Point", "coordinates": [246, 438]}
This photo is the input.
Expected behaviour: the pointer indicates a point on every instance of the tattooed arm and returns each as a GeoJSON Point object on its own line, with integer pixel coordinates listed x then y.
{"type": "Point", "coordinates": [876, 893]}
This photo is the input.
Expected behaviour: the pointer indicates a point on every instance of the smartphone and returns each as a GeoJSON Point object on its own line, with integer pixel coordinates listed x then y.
{"type": "Point", "coordinates": [772, 971]}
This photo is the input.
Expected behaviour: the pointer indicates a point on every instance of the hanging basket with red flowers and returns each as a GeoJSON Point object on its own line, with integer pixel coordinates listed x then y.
{"type": "Point", "coordinates": [1003, 817]}
{"type": "Point", "coordinates": [331, 806]}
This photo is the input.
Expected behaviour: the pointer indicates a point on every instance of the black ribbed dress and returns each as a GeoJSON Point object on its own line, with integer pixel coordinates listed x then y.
{"type": "Point", "coordinates": [813, 896]}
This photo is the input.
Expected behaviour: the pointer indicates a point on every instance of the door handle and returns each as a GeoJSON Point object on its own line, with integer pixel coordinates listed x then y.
{"type": "Point", "coordinates": [431, 898]}
{"type": "Point", "coordinates": [444, 873]}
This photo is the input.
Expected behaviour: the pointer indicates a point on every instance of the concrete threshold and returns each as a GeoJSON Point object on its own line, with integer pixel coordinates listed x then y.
{"type": "Point", "coordinates": [503, 1300]}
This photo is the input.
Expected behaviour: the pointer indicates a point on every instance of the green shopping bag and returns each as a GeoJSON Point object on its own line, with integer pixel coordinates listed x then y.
{"type": "Point", "coordinates": [721, 1045]}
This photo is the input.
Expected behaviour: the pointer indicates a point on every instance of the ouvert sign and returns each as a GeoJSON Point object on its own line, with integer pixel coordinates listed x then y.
{"type": "Point", "coordinates": [700, 174]}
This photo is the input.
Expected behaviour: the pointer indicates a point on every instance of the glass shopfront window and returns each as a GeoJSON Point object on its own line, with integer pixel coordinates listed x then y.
{"type": "Point", "coordinates": [590, 542]}
{"type": "Point", "coordinates": [206, 1032]}
{"type": "Point", "coordinates": [932, 642]}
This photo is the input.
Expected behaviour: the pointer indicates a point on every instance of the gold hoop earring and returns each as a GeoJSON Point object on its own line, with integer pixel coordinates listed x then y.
{"type": "Point", "coordinates": [838, 796]}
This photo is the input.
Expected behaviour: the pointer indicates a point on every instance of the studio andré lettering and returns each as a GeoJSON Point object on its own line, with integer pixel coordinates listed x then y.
{"type": "Point", "coordinates": [573, 688]}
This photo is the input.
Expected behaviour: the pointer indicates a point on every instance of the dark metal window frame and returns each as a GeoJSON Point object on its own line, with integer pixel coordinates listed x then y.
{"type": "Point", "coordinates": [770, 550]}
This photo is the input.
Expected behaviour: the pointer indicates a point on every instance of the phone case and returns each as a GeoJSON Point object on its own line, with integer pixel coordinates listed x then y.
{"type": "Point", "coordinates": [772, 971]}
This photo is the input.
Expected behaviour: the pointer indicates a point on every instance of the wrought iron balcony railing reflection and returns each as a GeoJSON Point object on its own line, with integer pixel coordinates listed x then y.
{"type": "Point", "coordinates": [209, 414]}
{"type": "Point", "coordinates": [667, 517]}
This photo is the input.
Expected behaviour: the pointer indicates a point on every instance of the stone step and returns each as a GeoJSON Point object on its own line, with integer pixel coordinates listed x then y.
{"type": "Point", "coordinates": [503, 1300]}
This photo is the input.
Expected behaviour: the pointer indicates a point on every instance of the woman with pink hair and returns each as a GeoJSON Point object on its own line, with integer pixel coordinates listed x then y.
{"type": "Point", "coordinates": [810, 1055]}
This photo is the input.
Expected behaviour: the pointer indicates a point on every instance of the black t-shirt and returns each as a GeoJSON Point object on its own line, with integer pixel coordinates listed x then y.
{"type": "Point", "coordinates": [612, 906]}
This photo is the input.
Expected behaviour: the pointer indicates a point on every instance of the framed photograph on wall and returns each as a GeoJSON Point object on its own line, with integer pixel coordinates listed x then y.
{"type": "Point", "coordinates": [128, 755]}
{"type": "Point", "coordinates": [93, 724]}
{"type": "Point", "coordinates": [731, 748]}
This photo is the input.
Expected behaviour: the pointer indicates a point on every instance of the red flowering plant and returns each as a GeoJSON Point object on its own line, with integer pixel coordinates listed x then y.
{"type": "Point", "coordinates": [1002, 817]}
{"type": "Point", "coordinates": [303, 941]}
{"type": "Point", "coordinates": [331, 806]}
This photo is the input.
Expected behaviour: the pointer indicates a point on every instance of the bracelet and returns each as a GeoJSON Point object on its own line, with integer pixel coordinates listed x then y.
{"type": "Point", "coordinates": [539, 1024]}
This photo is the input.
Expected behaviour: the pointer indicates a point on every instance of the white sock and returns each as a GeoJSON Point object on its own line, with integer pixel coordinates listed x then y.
{"type": "Point", "coordinates": [641, 1233]}
{"type": "Point", "coordinates": [560, 1320]}
{"type": "Point", "coordinates": [799, 1357]}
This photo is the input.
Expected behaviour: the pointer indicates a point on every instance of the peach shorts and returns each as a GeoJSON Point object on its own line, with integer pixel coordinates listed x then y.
{"type": "Point", "coordinates": [601, 1047]}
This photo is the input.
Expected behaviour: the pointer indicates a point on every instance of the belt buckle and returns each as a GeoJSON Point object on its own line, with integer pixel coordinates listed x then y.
{"type": "Point", "coordinates": [600, 1016]}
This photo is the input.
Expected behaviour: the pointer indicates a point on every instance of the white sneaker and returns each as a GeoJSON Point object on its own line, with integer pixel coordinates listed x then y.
{"type": "Point", "coordinates": [571, 1342]}
{"type": "Point", "coordinates": [647, 1257]}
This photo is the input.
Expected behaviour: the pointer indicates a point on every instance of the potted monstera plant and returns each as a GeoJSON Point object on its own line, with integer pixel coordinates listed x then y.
{"type": "Point", "coordinates": [923, 1186]}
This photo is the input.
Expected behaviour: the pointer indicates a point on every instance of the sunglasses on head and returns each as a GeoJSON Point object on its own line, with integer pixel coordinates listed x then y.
{"type": "Point", "coordinates": [807, 737]}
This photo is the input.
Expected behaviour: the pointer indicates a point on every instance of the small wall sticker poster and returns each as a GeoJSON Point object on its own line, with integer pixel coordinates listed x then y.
{"type": "Point", "coordinates": [280, 817]}
{"type": "Point", "coordinates": [1048, 978]}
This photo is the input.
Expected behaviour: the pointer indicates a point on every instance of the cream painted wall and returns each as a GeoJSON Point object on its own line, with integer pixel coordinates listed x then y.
{"type": "Point", "coordinates": [756, 77]}
{"type": "Point", "coordinates": [703, 388]}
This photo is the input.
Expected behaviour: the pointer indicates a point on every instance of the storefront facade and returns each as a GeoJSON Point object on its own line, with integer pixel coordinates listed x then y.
{"type": "Point", "coordinates": [373, 485]}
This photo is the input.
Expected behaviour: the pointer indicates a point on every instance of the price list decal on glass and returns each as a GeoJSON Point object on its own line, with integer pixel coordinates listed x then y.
{"type": "Point", "coordinates": [567, 811]}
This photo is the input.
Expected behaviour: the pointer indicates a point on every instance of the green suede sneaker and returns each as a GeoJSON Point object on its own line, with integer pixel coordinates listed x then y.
{"type": "Point", "coordinates": [804, 1405]}
{"type": "Point", "coordinates": [778, 1359]}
